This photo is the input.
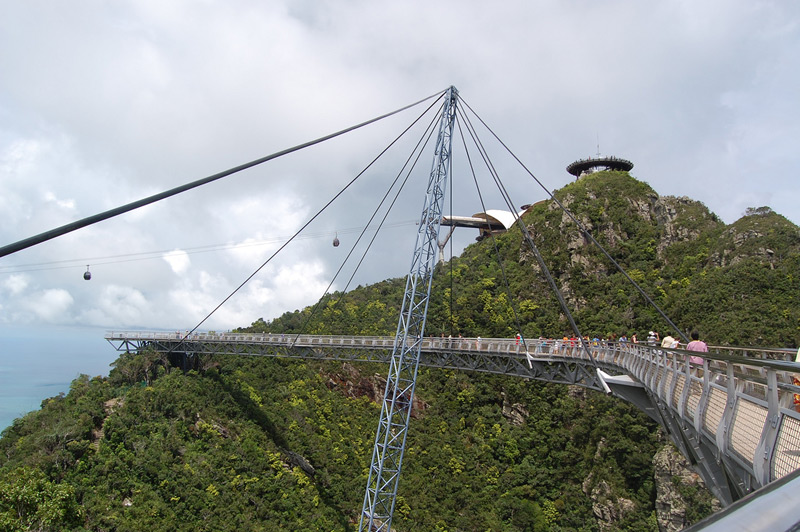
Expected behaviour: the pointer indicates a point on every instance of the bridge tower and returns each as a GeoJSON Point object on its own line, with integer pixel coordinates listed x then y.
{"type": "Point", "coordinates": [390, 440]}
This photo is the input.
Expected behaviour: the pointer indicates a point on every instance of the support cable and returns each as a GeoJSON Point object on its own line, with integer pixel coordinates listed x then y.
{"type": "Point", "coordinates": [529, 240]}
{"type": "Point", "coordinates": [391, 206]}
{"type": "Point", "coordinates": [68, 228]}
{"type": "Point", "coordinates": [328, 204]}
{"type": "Point", "coordinates": [491, 235]}
{"type": "Point", "coordinates": [426, 135]}
{"type": "Point", "coordinates": [583, 230]}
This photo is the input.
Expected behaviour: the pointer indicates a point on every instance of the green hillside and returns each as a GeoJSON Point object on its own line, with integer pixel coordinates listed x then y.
{"type": "Point", "coordinates": [261, 444]}
{"type": "Point", "coordinates": [735, 284]}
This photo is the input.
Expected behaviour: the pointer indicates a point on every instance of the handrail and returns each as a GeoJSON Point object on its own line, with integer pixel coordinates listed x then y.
{"type": "Point", "coordinates": [733, 415]}
{"type": "Point", "coordinates": [761, 356]}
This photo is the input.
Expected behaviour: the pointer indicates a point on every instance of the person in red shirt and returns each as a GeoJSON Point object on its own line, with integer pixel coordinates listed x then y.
{"type": "Point", "coordinates": [796, 382]}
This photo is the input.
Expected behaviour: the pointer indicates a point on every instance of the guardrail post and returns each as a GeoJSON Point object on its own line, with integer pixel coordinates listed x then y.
{"type": "Point", "coordinates": [723, 431]}
{"type": "Point", "coordinates": [702, 404]}
{"type": "Point", "coordinates": [762, 461]}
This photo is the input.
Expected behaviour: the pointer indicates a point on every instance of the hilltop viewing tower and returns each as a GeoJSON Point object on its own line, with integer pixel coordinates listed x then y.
{"type": "Point", "coordinates": [591, 165]}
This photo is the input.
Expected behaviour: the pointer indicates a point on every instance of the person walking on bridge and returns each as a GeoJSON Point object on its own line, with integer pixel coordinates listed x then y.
{"type": "Point", "coordinates": [652, 338]}
{"type": "Point", "coordinates": [696, 345]}
{"type": "Point", "coordinates": [796, 382]}
{"type": "Point", "coordinates": [669, 342]}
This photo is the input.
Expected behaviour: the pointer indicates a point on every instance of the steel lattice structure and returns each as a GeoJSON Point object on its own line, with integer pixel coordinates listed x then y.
{"type": "Point", "coordinates": [390, 440]}
{"type": "Point", "coordinates": [732, 417]}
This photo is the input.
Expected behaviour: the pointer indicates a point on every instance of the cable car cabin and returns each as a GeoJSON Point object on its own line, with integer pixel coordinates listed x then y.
{"type": "Point", "coordinates": [87, 275]}
{"type": "Point", "coordinates": [336, 241]}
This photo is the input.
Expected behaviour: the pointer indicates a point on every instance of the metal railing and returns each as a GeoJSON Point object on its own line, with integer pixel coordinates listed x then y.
{"type": "Point", "coordinates": [733, 415]}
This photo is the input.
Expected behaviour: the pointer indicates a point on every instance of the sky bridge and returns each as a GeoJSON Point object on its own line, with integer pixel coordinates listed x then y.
{"type": "Point", "coordinates": [732, 416]}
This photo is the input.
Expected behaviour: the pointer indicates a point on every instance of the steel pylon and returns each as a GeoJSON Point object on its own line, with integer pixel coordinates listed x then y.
{"type": "Point", "coordinates": [390, 440]}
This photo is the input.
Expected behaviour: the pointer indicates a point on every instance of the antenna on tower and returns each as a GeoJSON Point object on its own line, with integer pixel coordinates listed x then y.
{"type": "Point", "coordinates": [598, 145]}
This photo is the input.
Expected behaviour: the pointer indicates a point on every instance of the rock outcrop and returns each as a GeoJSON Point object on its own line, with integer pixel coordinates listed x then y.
{"type": "Point", "coordinates": [608, 509]}
{"type": "Point", "coordinates": [515, 413]}
{"type": "Point", "coordinates": [676, 482]}
{"type": "Point", "coordinates": [352, 383]}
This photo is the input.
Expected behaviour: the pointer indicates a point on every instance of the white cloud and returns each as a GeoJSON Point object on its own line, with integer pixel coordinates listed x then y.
{"type": "Point", "coordinates": [64, 204]}
{"type": "Point", "coordinates": [178, 260]}
{"type": "Point", "coordinates": [101, 107]}
{"type": "Point", "coordinates": [15, 284]}
{"type": "Point", "coordinates": [49, 305]}
{"type": "Point", "coordinates": [121, 305]}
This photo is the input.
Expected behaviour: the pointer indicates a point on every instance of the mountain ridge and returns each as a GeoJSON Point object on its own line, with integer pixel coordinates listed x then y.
{"type": "Point", "coordinates": [261, 444]}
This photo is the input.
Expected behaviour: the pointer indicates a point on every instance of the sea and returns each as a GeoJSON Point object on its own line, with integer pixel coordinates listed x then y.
{"type": "Point", "coordinates": [39, 363]}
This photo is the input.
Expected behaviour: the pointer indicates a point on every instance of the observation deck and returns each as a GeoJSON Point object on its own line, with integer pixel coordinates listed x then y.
{"type": "Point", "coordinates": [590, 165]}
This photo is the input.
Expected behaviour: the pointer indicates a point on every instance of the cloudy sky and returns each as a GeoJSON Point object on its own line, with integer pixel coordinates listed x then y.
{"type": "Point", "coordinates": [103, 103]}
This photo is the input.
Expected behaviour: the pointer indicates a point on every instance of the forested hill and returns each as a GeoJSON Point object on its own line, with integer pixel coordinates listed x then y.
{"type": "Point", "coordinates": [736, 284]}
{"type": "Point", "coordinates": [259, 444]}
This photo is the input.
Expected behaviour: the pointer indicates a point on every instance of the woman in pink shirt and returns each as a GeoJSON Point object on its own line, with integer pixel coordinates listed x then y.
{"type": "Point", "coordinates": [696, 345]}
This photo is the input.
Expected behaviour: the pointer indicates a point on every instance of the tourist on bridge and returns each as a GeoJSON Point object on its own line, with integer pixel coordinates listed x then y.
{"type": "Point", "coordinates": [796, 382]}
{"type": "Point", "coordinates": [652, 338]}
{"type": "Point", "coordinates": [696, 345]}
{"type": "Point", "coordinates": [669, 342]}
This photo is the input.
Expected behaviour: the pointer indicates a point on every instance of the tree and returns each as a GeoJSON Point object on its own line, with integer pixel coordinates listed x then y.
{"type": "Point", "coordinates": [29, 501]}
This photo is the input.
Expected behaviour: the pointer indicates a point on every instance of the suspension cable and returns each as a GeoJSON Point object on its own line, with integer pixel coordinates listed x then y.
{"type": "Point", "coordinates": [488, 228]}
{"type": "Point", "coordinates": [582, 228]}
{"type": "Point", "coordinates": [529, 240]}
{"type": "Point", "coordinates": [417, 149]}
{"type": "Point", "coordinates": [450, 261]}
{"type": "Point", "coordinates": [68, 228]}
{"type": "Point", "coordinates": [310, 220]}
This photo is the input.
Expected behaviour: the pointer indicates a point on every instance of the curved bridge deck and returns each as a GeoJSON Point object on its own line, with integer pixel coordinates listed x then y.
{"type": "Point", "coordinates": [733, 416]}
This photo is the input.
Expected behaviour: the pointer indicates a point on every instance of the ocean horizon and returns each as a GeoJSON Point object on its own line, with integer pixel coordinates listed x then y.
{"type": "Point", "coordinates": [36, 364]}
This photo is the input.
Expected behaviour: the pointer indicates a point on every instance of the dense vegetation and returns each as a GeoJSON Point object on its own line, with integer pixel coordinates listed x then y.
{"type": "Point", "coordinates": [737, 284]}
{"type": "Point", "coordinates": [259, 444]}
{"type": "Point", "coordinates": [233, 449]}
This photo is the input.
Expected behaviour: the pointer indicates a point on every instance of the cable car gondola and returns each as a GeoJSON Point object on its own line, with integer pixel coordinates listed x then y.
{"type": "Point", "coordinates": [87, 275]}
{"type": "Point", "coordinates": [336, 240]}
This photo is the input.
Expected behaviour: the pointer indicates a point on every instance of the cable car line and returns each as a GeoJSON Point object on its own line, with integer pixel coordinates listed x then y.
{"type": "Point", "coordinates": [152, 255]}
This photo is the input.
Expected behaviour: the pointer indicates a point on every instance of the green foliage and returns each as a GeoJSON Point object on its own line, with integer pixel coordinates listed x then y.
{"type": "Point", "coordinates": [30, 501]}
{"type": "Point", "coordinates": [243, 443]}
{"type": "Point", "coordinates": [260, 444]}
{"type": "Point", "coordinates": [371, 310]}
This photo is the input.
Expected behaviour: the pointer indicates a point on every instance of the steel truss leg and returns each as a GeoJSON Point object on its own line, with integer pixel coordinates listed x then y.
{"type": "Point", "coordinates": [390, 440]}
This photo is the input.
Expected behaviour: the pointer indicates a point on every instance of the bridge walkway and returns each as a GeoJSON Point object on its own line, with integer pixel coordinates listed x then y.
{"type": "Point", "coordinates": [733, 416]}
